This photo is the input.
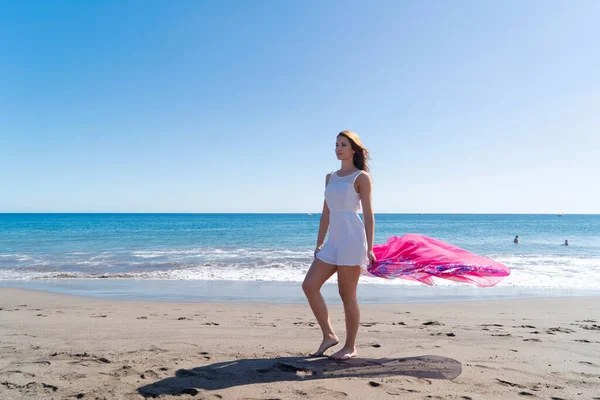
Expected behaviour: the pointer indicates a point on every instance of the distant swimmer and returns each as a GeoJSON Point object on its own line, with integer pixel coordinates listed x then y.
{"type": "Point", "coordinates": [566, 242]}
{"type": "Point", "coordinates": [516, 239]}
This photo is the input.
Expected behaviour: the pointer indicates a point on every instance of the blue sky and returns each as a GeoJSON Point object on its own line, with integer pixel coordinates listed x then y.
{"type": "Point", "coordinates": [233, 106]}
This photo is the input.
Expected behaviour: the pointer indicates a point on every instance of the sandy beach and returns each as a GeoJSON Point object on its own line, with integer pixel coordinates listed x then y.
{"type": "Point", "coordinates": [58, 346]}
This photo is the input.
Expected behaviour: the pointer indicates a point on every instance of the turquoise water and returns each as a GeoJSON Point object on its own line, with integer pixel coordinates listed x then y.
{"type": "Point", "coordinates": [278, 247]}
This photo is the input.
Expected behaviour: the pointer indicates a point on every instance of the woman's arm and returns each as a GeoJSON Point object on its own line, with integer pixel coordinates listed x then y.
{"type": "Point", "coordinates": [324, 222]}
{"type": "Point", "coordinates": [364, 190]}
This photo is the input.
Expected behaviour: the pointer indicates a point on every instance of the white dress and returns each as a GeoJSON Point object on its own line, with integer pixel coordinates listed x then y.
{"type": "Point", "coordinates": [346, 241]}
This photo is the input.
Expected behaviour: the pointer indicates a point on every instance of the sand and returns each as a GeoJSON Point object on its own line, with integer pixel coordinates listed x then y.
{"type": "Point", "coordinates": [55, 346]}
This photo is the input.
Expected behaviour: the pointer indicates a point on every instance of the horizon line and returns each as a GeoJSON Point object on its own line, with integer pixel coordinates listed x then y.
{"type": "Point", "coordinates": [282, 213]}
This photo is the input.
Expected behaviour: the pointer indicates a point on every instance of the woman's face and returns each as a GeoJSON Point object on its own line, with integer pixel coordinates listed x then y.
{"type": "Point", "coordinates": [343, 148]}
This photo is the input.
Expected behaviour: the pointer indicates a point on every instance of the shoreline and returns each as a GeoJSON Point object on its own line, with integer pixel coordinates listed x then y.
{"type": "Point", "coordinates": [278, 292]}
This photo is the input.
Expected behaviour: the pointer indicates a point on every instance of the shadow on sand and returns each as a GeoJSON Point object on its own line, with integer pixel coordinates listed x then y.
{"type": "Point", "coordinates": [265, 370]}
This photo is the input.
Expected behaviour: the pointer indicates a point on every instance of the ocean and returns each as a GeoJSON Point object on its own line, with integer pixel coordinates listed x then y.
{"type": "Point", "coordinates": [222, 252]}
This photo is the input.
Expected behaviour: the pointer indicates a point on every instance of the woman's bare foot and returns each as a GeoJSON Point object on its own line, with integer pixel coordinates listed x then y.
{"type": "Point", "coordinates": [344, 353]}
{"type": "Point", "coordinates": [327, 343]}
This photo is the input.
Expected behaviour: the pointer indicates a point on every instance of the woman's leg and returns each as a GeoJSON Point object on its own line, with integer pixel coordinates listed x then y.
{"type": "Point", "coordinates": [316, 276]}
{"type": "Point", "coordinates": [347, 284]}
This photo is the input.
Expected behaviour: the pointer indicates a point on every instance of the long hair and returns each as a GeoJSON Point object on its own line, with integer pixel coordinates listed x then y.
{"type": "Point", "coordinates": [361, 154]}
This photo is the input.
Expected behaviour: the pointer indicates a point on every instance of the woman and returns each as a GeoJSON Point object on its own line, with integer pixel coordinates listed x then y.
{"type": "Point", "coordinates": [349, 246]}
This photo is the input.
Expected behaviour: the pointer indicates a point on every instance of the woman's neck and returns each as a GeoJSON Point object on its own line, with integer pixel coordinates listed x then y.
{"type": "Point", "coordinates": [347, 166]}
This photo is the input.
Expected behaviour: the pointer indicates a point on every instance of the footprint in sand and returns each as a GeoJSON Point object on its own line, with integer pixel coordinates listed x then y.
{"type": "Point", "coordinates": [511, 384]}
{"type": "Point", "coordinates": [561, 330]}
{"type": "Point", "coordinates": [152, 349]}
{"type": "Point", "coordinates": [124, 371]}
{"type": "Point", "coordinates": [71, 376]}
{"type": "Point", "coordinates": [150, 374]}
{"type": "Point", "coordinates": [593, 327]}
{"type": "Point", "coordinates": [85, 357]}
{"type": "Point", "coordinates": [432, 323]}
{"type": "Point", "coordinates": [17, 372]}
{"type": "Point", "coordinates": [21, 334]}
{"type": "Point", "coordinates": [263, 324]}
{"type": "Point", "coordinates": [311, 324]}
{"type": "Point", "coordinates": [31, 387]}
{"type": "Point", "coordinates": [368, 324]}
{"type": "Point", "coordinates": [144, 317]}
{"type": "Point", "coordinates": [391, 390]}
{"type": "Point", "coordinates": [330, 394]}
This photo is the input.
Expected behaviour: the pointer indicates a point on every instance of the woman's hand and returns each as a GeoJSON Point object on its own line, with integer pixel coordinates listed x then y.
{"type": "Point", "coordinates": [317, 249]}
{"type": "Point", "coordinates": [371, 256]}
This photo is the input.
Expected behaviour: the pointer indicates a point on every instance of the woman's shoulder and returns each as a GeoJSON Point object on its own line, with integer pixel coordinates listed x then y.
{"type": "Point", "coordinates": [328, 176]}
{"type": "Point", "coordinates": [363, 176]}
